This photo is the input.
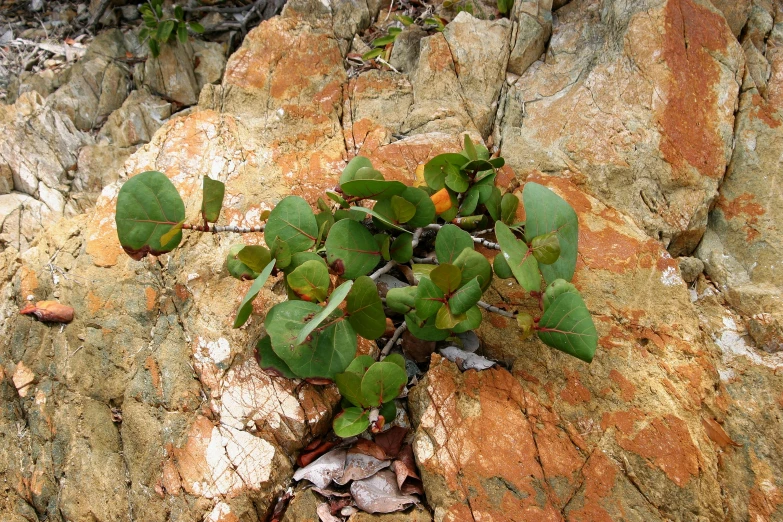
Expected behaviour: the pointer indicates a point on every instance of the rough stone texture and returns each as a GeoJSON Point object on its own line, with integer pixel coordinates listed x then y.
{"type": "Point", "coordinates": [97, 85]}
{"type": "Point", "coordinates": [172, 74]}
{"type": "Point", "coordinates": [407, 45]}
{"type": "Point", "coordinates": [657, 148]}
{"type": "Point", "coordinates": [44, 83]}
{"type": "Point", "coordinates": [211, 62]}
{"type": "Point", "coordinates": [690, 268]}
{"type": "Point", "coordinates": [137, 120]}
{"type": "Point", "coordinates": [736, 13]}
{"type": "Point", "coordinates": [22, 217]}
{"type": "Point", "coordinates": [39, 151]}
{"type": "Point", "coordinates": [532, 29]}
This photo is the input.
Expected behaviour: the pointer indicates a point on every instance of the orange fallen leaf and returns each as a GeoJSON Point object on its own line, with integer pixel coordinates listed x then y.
{"type": "Point", "coordinates": [442, 201]}
{"type": "Point", "coordinates": [49, 311]}
{"type": "Point", "coordinates": [718, 435]}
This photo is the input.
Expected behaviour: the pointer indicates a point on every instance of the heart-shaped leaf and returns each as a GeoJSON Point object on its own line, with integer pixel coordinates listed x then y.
{"type": "Point", "coordinates": [212, 199]}
{"type": "Point", "coordinates": [519, 258]}
{"type": "Point", "coordinates": [465, 298]}
{"type": "Point", "coordinates": [353, 167]}
{"type": "Point", "coordinates": [246, 306]}
{"type": "Point", "coordinates": [568, 326]}
{"type": "Point", "coordinates": [351, 250]}
{"type": "Point", "coordinates": [365, 309]}
{"type": "Point", "coordinates": [335, 300]}
{"type": "Point", "coordinates": [429, 298]}
{"type": "Point", "coordinates": [310, 281]}
{"type": "Point", "coordinates": [293, 222]}
{"type": "Point", "coordinates": [424, 329]}
{"type": "Point", "coordinates": [148, 206]}
{"type": "Point", "coordinates": [351, 422]}
{"type": "Point", "coordinates": [402, 209]}
{"type": "Point", "coordinates": [450, 242]}
{"type": "Point", "coordinates": [547, 212]}
{"type": "Point", "coordinates": [268, 359]}
{"type": "Point", "coordinates": [382, 382]}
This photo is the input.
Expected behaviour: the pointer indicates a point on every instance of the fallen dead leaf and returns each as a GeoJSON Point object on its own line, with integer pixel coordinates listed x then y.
{"type": "Point", "coordinates": [326, 468]}
{"type": "Point", "coordinates": [718, 435]}
{"type": "Point", "coordinates": [416, 349]}
{"type": "Point", "coordinates": [405, 469]}
{"type": "Point", "coordinates": [380, 494]}
{"type": "Point", "coordinates": [466, 360]}
{"type": "Point", "coordinates": [370, 448]}
{"type": "Point", "coordinates": [49, 311]}
{"type": "Point", "coordinates": [314, 450]}
{"type": "Point", "coordinates": [391, 440]}
{"type": "Point", "coordinates": [359, 466]}
{"type": "Point", "coordinates": [324, 514]}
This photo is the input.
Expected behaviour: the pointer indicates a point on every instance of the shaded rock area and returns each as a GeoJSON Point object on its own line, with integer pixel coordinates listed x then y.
{"type": "Point", "coordinates": [650, 118]}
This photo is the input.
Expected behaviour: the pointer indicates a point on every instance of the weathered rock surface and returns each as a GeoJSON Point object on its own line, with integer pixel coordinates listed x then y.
{"type": "Point", "coordinates": [137, 120]}
{"type": "Point", "coordinates": [532, 29]}
{"type": "Point", "coordinates": [655, 148]}
{"type": "Point", "coordinates": [149, 403]}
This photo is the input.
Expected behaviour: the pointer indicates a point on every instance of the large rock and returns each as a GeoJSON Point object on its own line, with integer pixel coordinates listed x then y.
{"type": "Point", "coordinates": [22, 217]}
{"type": "Point", "coordinates": [172, 73]}
{"type": "Point", "coordinates": [97, 85]}
{"type": "Point", "coordinates": [137, 120]}
{"type": "Point", "coordinates": [657, 147]}
{"type": "Point", "coordinates": [532, 29]}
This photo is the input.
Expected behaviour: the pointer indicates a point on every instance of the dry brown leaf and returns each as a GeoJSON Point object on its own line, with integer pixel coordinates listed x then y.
{"type": "Point", "coordinates": [718, 435]}
{"type": "Point", "coordinates": [390, 440]}
{"type": "Point", "coordinates": [49, 311]}
{"type": "Point", "coordinates": [314, 450]}
{"type": "Point", "coordinates": [380, 494]}
{"type": "Point", "coordinates": [324, 514]}
{"type": "Point", "coordinates": [370, 448]}
{"type": "Point", "coordinates": [417, 349]}
{"type": "Point", "coordinates": [359, 466]}
{"type": "Point", "coordinates": [326, 468]}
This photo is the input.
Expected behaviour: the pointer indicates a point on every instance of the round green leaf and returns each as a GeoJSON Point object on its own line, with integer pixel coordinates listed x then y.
{"type": "Point", "coordinates": [401, 300]}
{"type": "Point", "coordinates": [429, 299]}
{"type": "Point", "coordinates": [373, 188]}
{"type": "Point", "coordinates": [328, 354]}
{"type": "Point", "coordinates": [557, 287]}
{"type": "Point", "coordinates": [546, 248]}
{"type": "Point", "coordinates": [402, 209]}
{"type": "Point", "coordinates": [425, 329]}
{"type": "Point", "coordinates": [568, 326]}
{"type": "Point", "coordinates": [360, 364]}
{"type": "Point", "coordinates": [466, 297]}
{"type": "Point", "coordinates": [450, 242]}
{"type": "Point", "coordinates": [434, 170]}
{"type": "Point", "coordinates": [519, 258]}
{"type": "Point", "coordinates": [365, 309]}
{"type": "Point", "coordinates": [212, 199]}
{"type": "Point", "coordinates": [267, 358]}
{"type": "Point", "coordinates": [310, 281]}
{"type": "Point", "coordinates": [351, 250]}
{"type": "Point", "coordinates": [351, 422]}
{"type": "Point", "coordinates": [246, 306]}
{"type": "Point", "coordinates": [425, 208]}
{"type": "Point", "coordinates": [447, 277]}
{"type": "Point", "coordinates": [254, 257]}
{"type": "Point", "coordinates": [402, 248]}
{"type": "Point", "coordinates": [148, 206]}
{"type": "Point", "coordinates": [285, 320]}
{"type": "Point", "coordinates": [501, 268]}
{"type": "Point", "coordinates": [456, 180]}
{"type": "Point", "coordinates": [397, 359]}
{"type": "Point", "coordinates": [350, 386]}
{"type": "Point", "coordinates": [368, 173]}
{"type": "Point", "coordinates": [293, 221]}
{"type": "Point", "coordinates": [474, 264]}
{"type": "Point", "coordinates": [383, 382]}
{"type": "Point", "coordinates": [547, 212]}
{"type": "Point", "coordinates": [508, 208]}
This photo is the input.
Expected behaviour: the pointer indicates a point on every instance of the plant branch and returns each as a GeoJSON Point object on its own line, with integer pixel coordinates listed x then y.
{"type": "Point", "coordinates": [229, 228]}
{"type": "Point", "coordinates": [389, 345]}
{"type": "Point", "coordinates": [495, 309]}
{"type": "Point", "coordinates": [384, 269]}
{"type": "Point", "coordinates": [480, 241]}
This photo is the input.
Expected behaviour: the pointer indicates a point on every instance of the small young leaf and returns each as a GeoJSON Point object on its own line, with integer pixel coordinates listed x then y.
{"type": "Point", "coordinates": [337, 199]}
{"type": "Point", "coordinates": [403, 210]}
{"type": "Point", "coordinates": [310, 281]}
{"type": "Point", "coordinates": [255, 257]}
{"type": "Point", "coordinates": [557, 287]}
{"type": "Point", "coordinates": [196, 27]}
{"type": "Point", "coordinates": [568, 326]}
{"type": "Point", "coordinates": [397, 359]}
{"type": "Point", "coordinates": [373, 188]}
{"type": "Point", "coordinates": [455, 179]}
{"type": "Point", "coordinates": [474, 264]}
{"type": "Point", "coordinates": [401, 300]}
{"type": "Point", "coordinates": [429, 299]}
{"type": "Point", "coordinates": [383, 241]}
{"type": "Point", "coordinates": [365, 309]}
{"type": "Point", "coordinates": [434, 170]}
{"type": "Point", "coordinates": [179, 14]}
{"type": "Point", "coordinates": [472, 322]}
{"type": "Point", "coordinates": [360, 364]}
{"type": "Point", "coordinates": [546, 248]}
{"type": "Point", "coordinates": [351, 422]}
{"type": "Point", "coordinates": [383, 382]}
{"type": "Point", "coordinates": [450, 242]}
{"type": "Point", "coordinates": [168, 236]}
{"type": "Point", "coordinates": [350, 386]}
{"type": "Point", "coordinates": [383, 41]}
{"type": "Point", "coordinates": [508, 208]}
{"type": "Point", "coordinates": [446, 320]}
{"type": "Point", "coordinates": [425, 329]}
{"type": "Point", "coordinates": [402, 248]}
{"type": "Point", "coordinates": [466, 297]}
{"type": "Point", "coordinates": [148, 206]}
{"type": "Point", "coordinates": [165, 30]}
{"type": "Point", "coordinates": [246, 306]}
{"type": "Point", "coordinates": [350, 246]}
{"type": "Point", "coordinates": [470, 149]}
{"type": "Point", "coordinates": [526, 324]}
{"type": "Point", "coordinates": [522, 263]}
{"type": "Point", "coordinates": [425, 208]}
{"type": "Point", "coordinates": [335, 300]}
{"type": "Point", "coordinates": [405, 19]}
{"type": "Point", "coordinates": [501, 268]}
{"type": "Point", "coordinates": [154, 46]}
{"type": "Point", "coordinates": [369, 55]}
{"type": "Point", "coordinates": [237, 268]}
{"type": "Point", "coordinates": [394, 30]}
{"type": "Point", "coordinates": [447, 277]}
{"type": "Point", "coordinates": [267, 358]}
{"type": "Point", "coordinates": [293, 221]}
{"type": "Point", "coordinates": [182, 32]}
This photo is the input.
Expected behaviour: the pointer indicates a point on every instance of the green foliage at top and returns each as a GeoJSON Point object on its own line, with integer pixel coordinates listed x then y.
{"type": "Point", "coordinates": [328, 263]}
{"type": "Point", "coordinates": [160, 29]}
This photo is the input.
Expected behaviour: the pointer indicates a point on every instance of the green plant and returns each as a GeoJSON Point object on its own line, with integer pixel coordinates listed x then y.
{"type": "Point", "coordinates": [382, 46]}
{"type": "Point", "coordinates": [159, 30]}
{"type": "Point", "coordinates": [313, 334]}
{"type": "Point", "coordinates": [504, 6]}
